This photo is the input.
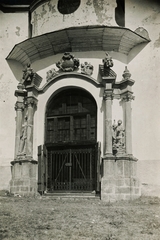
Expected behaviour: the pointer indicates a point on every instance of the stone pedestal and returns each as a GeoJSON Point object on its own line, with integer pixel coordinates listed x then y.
{"type": "Point", "coordinates": [24, 178]}
{"type": "Point", "coordinates": [119, 181]}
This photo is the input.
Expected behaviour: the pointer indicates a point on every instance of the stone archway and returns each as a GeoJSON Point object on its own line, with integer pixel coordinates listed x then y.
{"type": "Point", "coordinates": [70, 139]}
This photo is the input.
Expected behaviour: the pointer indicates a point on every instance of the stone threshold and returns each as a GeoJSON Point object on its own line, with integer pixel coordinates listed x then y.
{"type": "Point", "coordinates": [86, 195]}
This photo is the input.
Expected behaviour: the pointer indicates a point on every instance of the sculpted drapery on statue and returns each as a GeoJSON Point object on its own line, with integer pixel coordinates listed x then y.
{"type": "Point", "coordinates": [23, 137]}
{"type": "Point", "coordinates": [118, 136]}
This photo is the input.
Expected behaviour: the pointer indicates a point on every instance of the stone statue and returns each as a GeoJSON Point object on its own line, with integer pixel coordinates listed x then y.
{"type": "Point", "coordinates": [23, 137]}
{"type": "Point", "coordinates": [118, 136]}
{"type": "Point", "coordinates": [68, 63]}
{"type": "Point", "coordinates": [87, 68]}
{"type": "Point", "coordinates": [27, 75]}
{"type": "Point", "coordinates": [50, 74]}
{"type": "Point", "coordinates": [107, 61]}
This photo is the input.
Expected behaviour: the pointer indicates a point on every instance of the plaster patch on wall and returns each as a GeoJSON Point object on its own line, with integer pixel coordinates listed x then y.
{"type": "Point", "coordinates": [89, 2]}
{"type": "Point", "coordinates": [104, 10]}
{"type": "Point", "coordinates": [152, 18]}
{"type": "Point", "coordinates": [18, 31]}
{"type": "Point", "coordinates": [157, 42]}
{"type": "Point", "coordinates": [43, 11]}
{"type": "Point", "coordinates": [51, 7]}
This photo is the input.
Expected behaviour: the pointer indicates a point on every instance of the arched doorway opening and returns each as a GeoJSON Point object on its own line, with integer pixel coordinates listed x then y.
{"type": "Point", "coordinates": [71, 140]}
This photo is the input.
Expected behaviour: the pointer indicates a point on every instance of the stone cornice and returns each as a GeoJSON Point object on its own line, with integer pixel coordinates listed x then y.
{"type": "Point", "coordinates": [123, 84]}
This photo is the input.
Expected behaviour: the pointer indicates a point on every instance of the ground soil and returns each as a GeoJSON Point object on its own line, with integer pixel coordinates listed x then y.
{"type": "Point", "coordinates": [44, 218]}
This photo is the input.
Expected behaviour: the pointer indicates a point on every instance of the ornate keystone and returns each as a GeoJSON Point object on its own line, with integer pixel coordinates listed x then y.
{"type": "Point", "coordinates": [126, 74]}
{"type": "Point", "coordinates": [68, 63]}
{"type": "Point", "coordinates": [87, 68]}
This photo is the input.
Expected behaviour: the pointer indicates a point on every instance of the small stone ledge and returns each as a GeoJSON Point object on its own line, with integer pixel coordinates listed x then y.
{"type": "Point", "coordinates": [20, 161]}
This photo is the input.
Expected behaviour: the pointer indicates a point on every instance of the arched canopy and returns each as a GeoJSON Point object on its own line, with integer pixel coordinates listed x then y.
{"type": "Point", "coordinates": [77, 39]}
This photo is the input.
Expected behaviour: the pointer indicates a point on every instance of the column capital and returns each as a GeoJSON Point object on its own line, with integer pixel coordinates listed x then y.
{"type": "Point", "coordinates": [108, 94]}
{"type": "Point", "coordinates": [19, 106]}
{"type": "Point", "coordinates": [127, 96]}
{"type": "Point", "coordinates": [31, 102]}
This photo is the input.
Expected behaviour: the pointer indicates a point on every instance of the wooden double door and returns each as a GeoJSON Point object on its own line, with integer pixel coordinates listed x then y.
{"type": "Point", "coordinates": [69, 160]}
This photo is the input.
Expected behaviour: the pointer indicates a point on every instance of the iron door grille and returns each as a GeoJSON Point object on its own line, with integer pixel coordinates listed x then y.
{"type": "Point", "coordinates": [71, 170]}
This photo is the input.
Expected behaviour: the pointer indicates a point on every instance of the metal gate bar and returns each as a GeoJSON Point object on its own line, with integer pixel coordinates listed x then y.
{"type": "Point", "coordinates": [71, 170]}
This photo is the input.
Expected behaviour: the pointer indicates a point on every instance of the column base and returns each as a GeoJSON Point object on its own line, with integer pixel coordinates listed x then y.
{"type": "Point", "coordinates": [24, 178]}
{"type": "Point", "coordinates": [119, 181]}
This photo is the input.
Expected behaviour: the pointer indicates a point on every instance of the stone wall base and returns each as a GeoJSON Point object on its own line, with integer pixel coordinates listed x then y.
{"type": "Point", "coordinates": [24, 178]}
{"type": "Point", "coordinates": [119, 181]}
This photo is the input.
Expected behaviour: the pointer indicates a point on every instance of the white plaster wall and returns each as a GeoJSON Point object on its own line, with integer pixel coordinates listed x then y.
{"type": "Point", "coordinates": [47, 18]}
{"type": "Point", "coordinates": [146, 114]}
{"type": "Point", "coordinates": [13, 29]}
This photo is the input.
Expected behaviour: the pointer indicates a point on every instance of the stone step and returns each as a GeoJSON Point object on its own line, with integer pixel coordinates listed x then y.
{"type": "Point", "coordinates": [71, 195]}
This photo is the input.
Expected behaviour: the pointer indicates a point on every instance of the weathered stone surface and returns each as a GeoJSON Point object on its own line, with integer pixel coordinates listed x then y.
{"type": "Point", "coordinates": [24, 179]}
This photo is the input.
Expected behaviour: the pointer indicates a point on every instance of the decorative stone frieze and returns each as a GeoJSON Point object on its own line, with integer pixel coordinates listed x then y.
{"type": "Point", "coordinates": [50, 74]}
{"type": "Point", "coordinates": [87, 68]}
{"type": "Point", "coordinates": [68, 63]}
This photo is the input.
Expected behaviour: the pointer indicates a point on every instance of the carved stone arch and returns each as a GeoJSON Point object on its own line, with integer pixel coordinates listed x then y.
{"type": "Point", "coordinates": [71, 140]}
{"type": "Point", "coordinates": [66, 76]}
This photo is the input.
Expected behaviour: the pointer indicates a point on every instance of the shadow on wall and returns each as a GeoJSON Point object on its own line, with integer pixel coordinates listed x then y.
{"type": "Point", "coordinates": [16, 69]}
{"type": "Point", "coordinates": [135, 51]}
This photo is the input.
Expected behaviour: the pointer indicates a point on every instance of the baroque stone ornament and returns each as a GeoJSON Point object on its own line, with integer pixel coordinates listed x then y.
{"type": "Point", "coordinates": [87, 68]}
{"type": "Point", "coordinates": [19, 106]}
{"type": "Point", "coordinates": [127, 97]}
{"type": "Point", "coordinates": [23, 138]}
{"type": "Point", "coordinates": [126, 74]}
{"type": "Point", "coordinates": [68, 63]}
{"type": "Point", "coordinates": [118, 138]}
{"type": "Point", "coordinates": [108, 94]}
{"type": "Point", "coordinates": [28, 74]}
{"type": "Point", "coordinates": [50, 74]}
{"type": "Point", "coordinates": [107, 61]}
